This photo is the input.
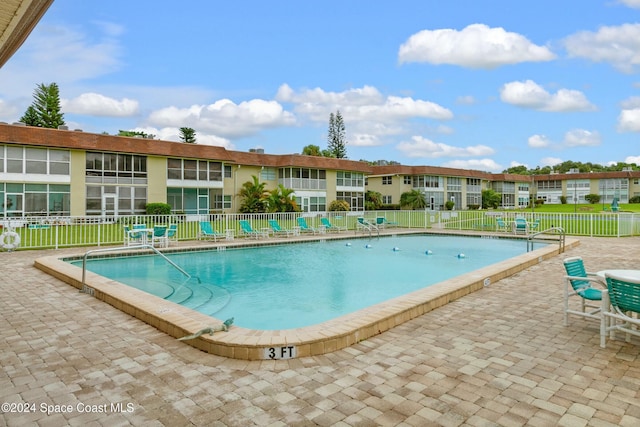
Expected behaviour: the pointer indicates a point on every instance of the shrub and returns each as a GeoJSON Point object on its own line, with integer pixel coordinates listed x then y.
{"type": "Point", "coordinates": [634, 199]}
{"type": "Point", "coordinates": [339, 205]}
{"type": "Point", "coordinates": [158, 209]}
{"type": "Point", "coordinates": [592, 198]}
{"type": "Point", "coordinates": [449, 205]}
{"type": "Point", "coordinates": [563, 200]}
{"type": "Point", "coordinates": [473, 207]}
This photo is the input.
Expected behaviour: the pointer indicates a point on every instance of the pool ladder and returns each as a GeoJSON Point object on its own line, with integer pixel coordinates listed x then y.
{"type": "Point", "coordinates": [366, 225]}
{"type": "Point", "coordinates": [88, 290]}
{"type": "Point", "coordinates": [554, 231]}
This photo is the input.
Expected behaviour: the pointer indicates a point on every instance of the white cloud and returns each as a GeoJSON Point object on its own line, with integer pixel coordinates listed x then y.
{"type": "Point", "coordinates": [476, 46]}
{"type": "Point", "coordinates": [582, 138]}
{"type": "Point", "coordinates": [173, 134]}
{"type": "Point", "coordinates": [529, 94]}
{"type": "Point", "coordinates": [8, 111]}
{"type": "Point", "coordinates": [70, 56]}
{"type": "Point", "coordinates": [95, 104]}
{"type": "Point", "coordinates": [631, 3]}
{"type": "Point", "coordinates": [487, 165]}
{"type": "Point", "coordinates": [617, 45]}
{"type": "Point", "coordinates": [514, 163]}
{"type": "Point", "coordinates": [359, 104]}
{"type": "Point", "coordinates": [225, 118]}
{"type": "Point", "coordinates": [538, 141]}
{"type": "Point", "coordinates": [632, 159]}
{"type": "Point", "coordinates": [423, 147]}
{"type": "Point", "coordinates": [466, 100]}
{"type": "Point", "coordinates": [629, 120]}
{"type": "Point", "coordinates": [550, 161]}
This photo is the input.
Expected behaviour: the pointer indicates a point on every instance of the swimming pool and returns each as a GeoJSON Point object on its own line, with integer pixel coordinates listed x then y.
{"type": "Point", "coordinates": [341, 332]}
{"type": "Point", "coordinates": [297, 285]}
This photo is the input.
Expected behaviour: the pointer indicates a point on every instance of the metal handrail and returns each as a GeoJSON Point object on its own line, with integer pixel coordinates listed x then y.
{"type": "Point", "coordinates": [558, 231]}
{"type": "Point", "coordinates": [86, 255]}
{"type": "Point", "coordinates": [368, 226]}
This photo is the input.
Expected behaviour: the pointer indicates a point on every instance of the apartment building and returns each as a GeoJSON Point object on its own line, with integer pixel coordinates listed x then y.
{"type": "Point", "coordinates": [57, 172]}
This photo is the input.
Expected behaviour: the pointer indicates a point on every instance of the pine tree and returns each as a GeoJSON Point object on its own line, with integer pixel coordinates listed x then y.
{"type": "Point", "coordinates": [188, 135]}
{"type": "Point", "coordinates": [45, 110]}
{"type": "Point", "coordinates": [337, 144]}
{"type": "Point", "coordinates": [31, 117]}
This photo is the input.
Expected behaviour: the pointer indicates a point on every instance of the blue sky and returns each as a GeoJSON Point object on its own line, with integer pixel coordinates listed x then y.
{"type": "Point", "coordinates": [468, 84]}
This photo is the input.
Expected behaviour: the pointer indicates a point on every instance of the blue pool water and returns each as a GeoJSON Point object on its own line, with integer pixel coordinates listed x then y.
{"type": "Point", "coordinates": [296, 285]}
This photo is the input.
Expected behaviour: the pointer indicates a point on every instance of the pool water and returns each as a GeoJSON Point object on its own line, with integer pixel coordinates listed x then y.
{"type": "Point", "coordinates": [296, 285]}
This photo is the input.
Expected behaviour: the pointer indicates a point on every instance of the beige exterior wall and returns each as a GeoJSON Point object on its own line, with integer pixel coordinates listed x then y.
{"type": "Point", "coordinates": [78, 188]}
{"type": "Point", "coordinates": [156, 179]}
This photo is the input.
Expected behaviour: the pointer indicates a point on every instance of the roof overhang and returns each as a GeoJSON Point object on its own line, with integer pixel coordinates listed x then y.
{"type": "Point", "coordinates": [17, 20]}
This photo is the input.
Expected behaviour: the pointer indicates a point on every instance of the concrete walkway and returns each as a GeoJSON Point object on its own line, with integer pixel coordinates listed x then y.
{"type": "Point", "coordinates": [499, 357]}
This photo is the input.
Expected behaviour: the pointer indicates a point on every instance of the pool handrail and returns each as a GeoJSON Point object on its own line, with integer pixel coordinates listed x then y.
{"type": "Point", "coordinates": [555, 231]}
{"type": "Point", "coordinates": [126, 248]}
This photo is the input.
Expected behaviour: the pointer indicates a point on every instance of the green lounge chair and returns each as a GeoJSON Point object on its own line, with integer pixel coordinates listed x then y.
{"type": "Point", "coordinates": [382, 222]}
{"type": "Point", "coordinates": [304, 227]}
{"type": "Point", "coordinates": [207, 232]}
{"type": "Point", "coordinates": [247, 231]}
{"type": "Point", "coordinates": [500, 224]}
{"type": "Point", "coordinates": [279, 231]}
{"type": "Point", "coordinates": [580, 283]}
{"type": "Point", "coordinates": [620, 308]}
{"type": "Point", "coordinates": [330, 227]}
{"type": "Point", "coordinates": [172, 233]}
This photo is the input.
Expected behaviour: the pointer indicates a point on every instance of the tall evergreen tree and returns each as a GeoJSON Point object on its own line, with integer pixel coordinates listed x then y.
{"type": "Point", "coordinates": [188, 135]}
{"type": "Point", "coordinates": [45, 110]}
{"type": "Point", "coordinates": [337, 143]}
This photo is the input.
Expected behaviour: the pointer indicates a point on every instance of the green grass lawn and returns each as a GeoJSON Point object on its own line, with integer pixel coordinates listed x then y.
{"type": "Point", "coordinates": [586, 208]}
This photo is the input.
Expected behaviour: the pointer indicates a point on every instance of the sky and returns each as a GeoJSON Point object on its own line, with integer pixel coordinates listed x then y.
{"type": "Point", "coordinates": [471, 84]}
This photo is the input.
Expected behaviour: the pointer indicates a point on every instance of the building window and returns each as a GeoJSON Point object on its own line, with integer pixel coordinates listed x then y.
{"type": "Point", "coordinates": [31, 160]}
{"type": "Point", "coordinates": [349, 179]}
{"type": "Point", "coordinates": [387, 200]}
{"type": "Point", "coordinates": [355, 199]}
{"type": "Point", "coordinates": [407, 179]}
{"type": "Point", "coordinates": [194, 170]}
{"type": "Point", "coordinates": [109, 168]}
{"type": "Point", "coordinates": [227, 171]}
{"type": "Point", "coordinates": [268, 174]}
{"type": "Point", "coordinates": [303, 178]}
{"type": "Point", "coordinates": [35, 199]}
{"type": "Point", "coordinates": [387, 180]}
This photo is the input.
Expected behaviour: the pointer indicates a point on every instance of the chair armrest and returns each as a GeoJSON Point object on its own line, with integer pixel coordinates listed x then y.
{"type": "Point", "coordinates": [590, 278]}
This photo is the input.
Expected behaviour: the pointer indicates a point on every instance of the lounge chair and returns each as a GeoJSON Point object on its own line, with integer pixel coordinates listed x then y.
{"type": "Point", "coordinates": [364, 224]}
{"type": "Point", "coordinates": [247, 231]}
{"type": "Point", "coordinates": [207, 232]}
{"type": "Point", "coordinates": [614, 205]}
{"type": "Point", "coordinates": [159, 236]}
{"type": "Point", "coordinates": [382, 222]}
{"type": "Point", "coordinates": [330, 227]}
{"type": "Point", "coordinates": [279, 231]}
{"type": "Point", "coordinates": [520, 226]}
{"type": "Point", "coordinates": [619, 304]}
{"type": "Point", "coordinates": [304, 227]}
{"type": "Point", "coordinates": [500, 224]}
{"type": "Point", "coordinates": [581, 283]}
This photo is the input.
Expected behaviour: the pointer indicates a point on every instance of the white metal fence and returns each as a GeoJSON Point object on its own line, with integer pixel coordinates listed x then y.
{"type": "Point", "coordinates": [56, 232]}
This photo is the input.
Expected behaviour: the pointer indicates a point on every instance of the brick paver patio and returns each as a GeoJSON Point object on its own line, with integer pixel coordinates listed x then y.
{"type": "Point", "coordinates": [497, 357]}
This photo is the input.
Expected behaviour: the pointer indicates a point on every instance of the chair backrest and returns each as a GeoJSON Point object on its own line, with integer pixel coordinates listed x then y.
{"type": "Point", "coordinates": [500, 222]}
{"type": "Point", "coordinates": [575, 267]}
{"type": "Point", "coordinates": [361, 220]}
{"type": "Point", "coordinates": [205, 226]}
{"type": "Point", "coordinates": [139, 226]}
{"type": "Point", "coordinates": [173, 229]}
{"type": "Point", "coordinates": [245, 226]}
{"type": "Point", "coordinates": [535, 224]}
{"type": "Point", "coordinates": [521, 223]}
{"type": "Point", "coordinates": [274, 225]}
{"type": "Point", "coordinates": [326, 222]}
{"type": "Point", "coordinates": [624, 293]}
{"type": "Point", "coordinates": [380, 220]}
{"type": "Point", "coordinates": [159, 230]}
{"type": "Point", "coordinates": [302, 223]}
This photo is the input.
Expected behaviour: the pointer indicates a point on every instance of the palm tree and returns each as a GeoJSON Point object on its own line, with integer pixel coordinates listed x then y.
{"type": "Point", "coordinates": [253, 195]}
{"type": "Point", "coordinates": [413, 199]}
{"type": "Point", "coordinates": [282, 199]}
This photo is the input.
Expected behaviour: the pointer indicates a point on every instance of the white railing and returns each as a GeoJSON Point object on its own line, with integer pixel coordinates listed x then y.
{"type": "Point", "coordinates": [55, 232]}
